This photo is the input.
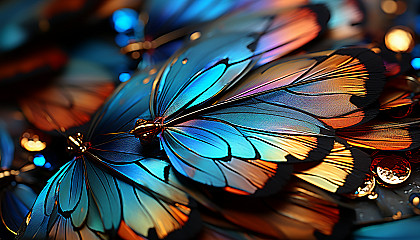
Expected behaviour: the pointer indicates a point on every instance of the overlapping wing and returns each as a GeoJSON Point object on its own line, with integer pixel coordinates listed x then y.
{"type": "Point", "coordinates": [85, 201]}
{"type": "Point", "coordinates": [72, 100]}
{"type": "Point", "coordinates": [109, 130]}
{"type": "Point", "coordinates": [201, 71]}
{"type": "Point", "coordinates": [334, 86]}
{"type": "Point", "coordinates": [238, 146]}
{"type": "Point", "coordinates": [277, 115]}
{"type": "Point", "coordinates": [283, 26]}
{"type": "Point", "coordinates": [166, 16]}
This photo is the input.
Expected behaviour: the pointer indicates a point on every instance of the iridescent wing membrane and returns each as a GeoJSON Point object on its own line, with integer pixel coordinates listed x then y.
{"type": "Point", "coordinates": [111, 189]}
{"type": "Point", "coordinates": [234, 137]}
{"type": "Point", "coordinates": [16, 197]}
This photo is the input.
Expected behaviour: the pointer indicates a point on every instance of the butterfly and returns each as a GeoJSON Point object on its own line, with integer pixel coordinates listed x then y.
{"type": "Point", "coordinates": [114, 187]}
{"type": "Point", "coordinates": [221, 127]}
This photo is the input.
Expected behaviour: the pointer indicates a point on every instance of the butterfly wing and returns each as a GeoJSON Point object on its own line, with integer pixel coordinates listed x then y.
{"type": "Point", "coordinates": [316, 83]}
{"type": "Point", "coordinates": [166, 16]}
{"type": "Point", "coordinates": [129, 102]}
{"type": "Point", "coordinates": [238, 146]}
{"type": "Point", "coordinates": [342, 171]}
{"type": "Point", "coordinates": [84, 201]}
{"type": "Point", "coordinates": [301, 211]}
{"type": "Point", "coordinates": [201, 71]}
{"type": "Point", "coordinates": [258, 119]}
{"type": "Point", "coordinates": [71, 101]}
{"type": "Point", "coordinates": [7, 148]}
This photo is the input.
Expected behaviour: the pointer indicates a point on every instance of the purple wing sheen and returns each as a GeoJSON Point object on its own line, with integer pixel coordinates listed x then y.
{"type": "Point", "coordinates": [282, 29]}
{"type": "Point", "coordinates": [317, 83]}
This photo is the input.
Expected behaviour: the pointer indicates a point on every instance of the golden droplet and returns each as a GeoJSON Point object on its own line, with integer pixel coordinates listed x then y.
{"type": "Point", "coordinates": [152, 71]}
{"type": "Point", "coordinates": [185, 60]}
{"type": "Point", "coordinates": [397, 215]}
{"type": "Point", "coordinates": [373, 195]}
{"type": "Point", "coordinates": [366, 188]}
{"type": "Point", "coordinates": [392, 169]}
{"type": "Point", "coordinates": [416, 201]}
{"type": "Point", "coordinates": [195, 36]}
{"type": "Point", "coordinates": [146, 80]}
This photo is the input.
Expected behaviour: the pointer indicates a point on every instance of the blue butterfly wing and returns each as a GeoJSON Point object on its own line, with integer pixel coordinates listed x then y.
{"type": "Point", "coordinates": [83, 199]}
{"type": "Point", "coordinates": [112, 189]}
{"type": "Point", "coordinates": [199, 72]}
{"type": "Point", "coordinates": [262, 118]}
{"type": "Point", "coordinates": [129, 102]}
{"type": "Point", "coordinates": [7, 148]}
{"type": "Point", "coordinates": [240, 145]}
{"type": "Point", "coordinates": [165, 16]}
{"type": "Point", "coordinates": [15, 205]}
{"type": "Point", "coordinates": [282, 30]}
{"type": "Point", "coordinates": [208, 67]}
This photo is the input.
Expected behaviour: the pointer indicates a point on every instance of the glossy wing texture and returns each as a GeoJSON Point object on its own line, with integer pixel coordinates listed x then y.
{"type": "Point", "coordinates": [16, 201]}
{"type": "Point", "coordinates": [199, 72]}
{"type": "Point", "coordinates": [78, 93]}
{"type": "Point", "coordinates": [129, 102]}
{"type": "Point", "coordinates": [342, 171]}
{"type": "Point", "coordinates": [282, 28]}
{"type": "Point", "coordinates": [395, 134]}
{"type": "Point", "coordinates": [112, 189]}
{"type": "Point", "coordinates": [302, 211]}
{"type": "Point", "coordinates": [84, 201]}
{"type": "Point", "coordinates": [317, 83]}
{"type": "Point", "coordinates": [212, 147]}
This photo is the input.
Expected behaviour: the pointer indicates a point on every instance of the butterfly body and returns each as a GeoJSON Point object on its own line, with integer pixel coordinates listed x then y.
{"type": "Point", "coordinates": [146, 130]}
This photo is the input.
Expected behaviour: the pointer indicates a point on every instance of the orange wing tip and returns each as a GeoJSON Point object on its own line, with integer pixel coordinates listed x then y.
{"type": "Point", "coordinates": [235, 191]}
{"type": "Point", "coordinates": [180, 216]}
{"type": "Point", "coordinates": [340, 172]}
{"type": "Point", "coordinates": [126, 233]}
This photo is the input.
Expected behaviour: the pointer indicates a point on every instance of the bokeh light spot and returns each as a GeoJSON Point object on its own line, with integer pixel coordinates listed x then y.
{"type": "Point", "coordinates": [415, 63]}
{"type": "Point", "coordinates": [399, 39]}
{"type": "Point", "coordinates": [39, 160]}
{"type": "Point", "coordinates": [389, 6]}
{"type": "Point", "coordinates": [124, 19]}
{"type": "Point", "coordinates": [124, 77]}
